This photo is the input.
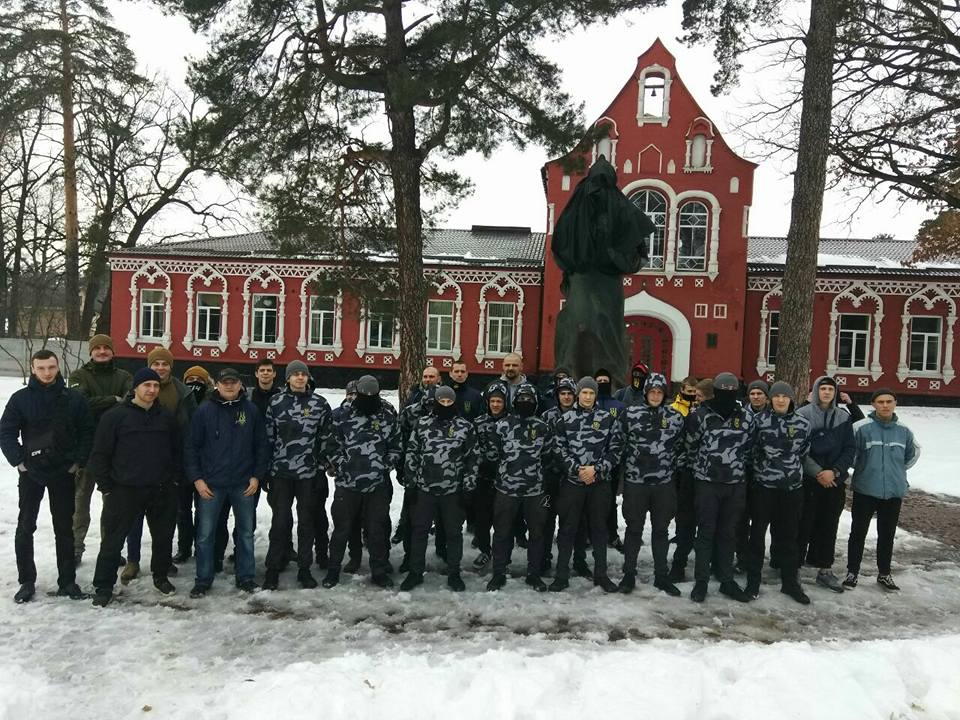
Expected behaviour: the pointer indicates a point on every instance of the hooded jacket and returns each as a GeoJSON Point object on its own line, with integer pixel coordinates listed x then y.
{"type": "Point", "coordinates": [298, 425]}
{"type": "Point", "coordinates": [363, 449]}
{"type": "Point", "coordinates": [521, 448]}
{"type": "Point", "coordinates": [589, 437]}
{"type": "Point", "coordinates": [442, 455]}
{"type": "Point", "coordinates": [718, 449]}
{"type": "Point", "coordinates": [781, 443]}
{"type": "Point", "coordinates": [652, 442]}
{"type": "Point", "coordinates": [832, 445]}
{"type": "Point", "coordinates": [102, 384]}
{"type": "Point", "coordinates": [885, 451]}
{"type": "Point", "coordinates": [227, 443]}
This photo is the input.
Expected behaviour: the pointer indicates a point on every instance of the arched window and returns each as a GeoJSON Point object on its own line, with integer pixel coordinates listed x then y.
{"type": "Point", "coordinates": [654, 92]}
{"type": "Point", "coordinates": [698, 151]}
{"type": "Point", "coordinates": [654, 206]}
{"type": "Point", "coordinates": [692, 237]}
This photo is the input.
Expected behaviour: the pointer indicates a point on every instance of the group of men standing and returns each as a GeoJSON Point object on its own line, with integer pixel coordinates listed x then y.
{"type": "Point", "coordinates": [524, 463]}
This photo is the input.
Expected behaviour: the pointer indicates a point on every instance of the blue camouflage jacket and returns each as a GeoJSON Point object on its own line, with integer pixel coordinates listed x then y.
{"type": "Point", "coordinates": [781, 442]}
{"type": "Point", "coordinates": [442, 455]}
{"type": "Point", "coordinates": [652, 441]}
{"type": "Point", "coordinates": [521, 449]}
{"type": "Point", "coordinates": [298, 425]}
{"type": "Point", "coordinates": [486, 426]}
{"type": "Point", "coordinates": [363, 449]}
{"type": "Point", "coordinates": [589, 437]}
{"type": "Point", "coordinates": [718, 450]}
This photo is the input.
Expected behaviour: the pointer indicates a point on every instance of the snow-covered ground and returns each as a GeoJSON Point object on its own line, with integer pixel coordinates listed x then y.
{"type": "Point", "coordinates": [357, 651]}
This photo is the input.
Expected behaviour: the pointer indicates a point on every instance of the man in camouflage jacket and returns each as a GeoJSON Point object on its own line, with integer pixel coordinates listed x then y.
{"type": "Point", "coordinates": [719, 443]}
{"type": "Point", "coordinates": [590, 445]}
{"type": "Point", "coordinates": [298, 425]}
{"type": "Point", "coordinates": [409, 416]}
{"type": "Point", "coordinates": [441, 462]}
{"type": "Point", "coordinates": [781, 442]}
{"type": "Point", "coordinates": [363, 447]}
{"type": "Point", "coordinates": [566, 396]}
{"type": "Point", "coordinates": [483, 498]}
{"type": "Point", "coordinates": [653, 440]}
{"type": "Point", "coordinates": [521, 445]}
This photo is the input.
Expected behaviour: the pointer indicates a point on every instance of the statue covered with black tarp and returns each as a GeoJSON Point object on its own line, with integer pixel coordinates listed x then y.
{"type": "Point", "coordinates": [599, 237]}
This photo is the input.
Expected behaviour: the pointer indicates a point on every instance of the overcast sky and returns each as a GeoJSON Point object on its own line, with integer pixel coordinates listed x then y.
{"type": "Point", "coordinates": [596, 64]}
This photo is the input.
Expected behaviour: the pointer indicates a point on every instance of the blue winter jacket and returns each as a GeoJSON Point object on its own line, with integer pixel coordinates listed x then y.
{"type": "Point", "coordinates": [227, 443]}
{"type": "Point", "coordinates": [885, 451]}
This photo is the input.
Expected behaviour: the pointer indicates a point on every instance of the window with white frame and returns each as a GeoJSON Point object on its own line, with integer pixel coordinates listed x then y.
{"type": "Point", "coordinates": [925, 344]}
{"type": "Point", "coordinates": [720, 311]}
{"type": "Point", "coordinates": [321, 321]}
{"type": "Point", "coordinates": [654, 206]}
{"type": "Point", "coordinates": [439, 325]}
{"type": "Point", "coordinates": [698, 151]}
{"type": "Point", "coordinates": [152, 304]}
{"type": "Point", "coordinates": [773, 336]}
{"type": "Point", "coordinates": [654, 89]}
{"type": "Point", "coordinates": [700, 310]}
{"type": "Point", "coordinates": [209, 314]}
{"type": "Point", "coordinates": [380, 325]}
{"type": "Point", "coordinates": [264, 319]}
{"type": "Point", "coordinates": [692, 237]}
{"type": "Point", "coordinates": [500, 319]}
{"type": "Point", "coordinates": [853, 340]}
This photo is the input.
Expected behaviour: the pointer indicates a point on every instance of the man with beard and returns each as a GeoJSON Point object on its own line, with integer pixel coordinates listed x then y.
{"type": "Point", "coordinates": [512, 376]}
{"type": "Point", "coordinates": [104, 385]}
{"type": "Point", "coordinates": [363, 447]}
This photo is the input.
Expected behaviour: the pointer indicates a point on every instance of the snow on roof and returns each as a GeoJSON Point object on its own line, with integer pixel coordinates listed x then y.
{"type": "Point", "coordinates": [881, 254]}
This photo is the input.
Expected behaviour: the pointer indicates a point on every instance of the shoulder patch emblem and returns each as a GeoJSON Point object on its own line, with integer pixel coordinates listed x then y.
{"type": "Point", "coordinates": [241, 418]}
{"type": "Point", "coordinates": [376, 424]}
{"type": "Point", "coordinates": [791, 431]}
{"type": "Point", "coordinates": [596, 424]}
{"type": "Point", "coordinates": [467, 405]}
{"type": "Point", "coordinates": [533, 433]}
{"type": "Point", "coordinates": [613, 411]}
{"type": "Point", "coordinates": [736, 423]}
{"type": "Point", "coordinates": [450, 431]}
{"type": "Point", "coordinates": [664, 423]}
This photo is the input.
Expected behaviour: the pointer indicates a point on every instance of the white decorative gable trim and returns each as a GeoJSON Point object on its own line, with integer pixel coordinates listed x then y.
{"type": "Point", "coordinates": [929, 296]}
{"type": "Point", "coordinates": [208, 275]}
{"type": "Point", "coordinates": [856, 293]}
{"type": "Point", "coordinates": [501, 283]}
{"type": "Point", "coordinates": [641, 83]}
{"type": "Point", "coordinates": [152, 272]}
{"type": "Point", "coordinates": [439, 289]}
{"type": "Point", "coordinates": [304, 340]}
{"type": "Point", "coordinates": [264, 275]}
{"type": "Point", "coordinates": [762, 365]}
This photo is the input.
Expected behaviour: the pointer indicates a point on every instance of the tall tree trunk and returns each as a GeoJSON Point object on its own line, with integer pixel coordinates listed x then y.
{"type": "Point", "coordinates": [71, 230]}
{"type": "Point", "coordinates": [405, 166]}
{"type": "Point", "coordinates": [803, 237]}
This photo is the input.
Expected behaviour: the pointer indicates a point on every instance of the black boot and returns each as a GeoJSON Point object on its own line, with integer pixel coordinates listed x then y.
{"type": "Point", "coordinates": [662, 582]}
{"type": "Point", "coordinates": [332, 579]}
{"type": "Point", "coordinates": [182, 556]}
{"type": "Point", "coordinates": [796, 592]}
{"type": "Point", "coordinates": [353, 564]}
{"type": "Point", "coordinates": [164, 585]}
{"type": "Point", "coordinates": [25, 593]}
{"type": "Point", "coordinates": [536, 583]}
{"type": "Point", "coordinates": [699, 592]}
{"type": "Point", "coordinates": [753, 588]}
{"type": "Point", "coordinates": [383, 580]}
{"type": "Point", "coordinates": [628, 583]}
{"type": "Point", "coordinates": [411, 581]}
{"type": "Point", "coordinates": [496, 582]}
{"type": "Point", "coordinates": [581, 569]}
{"type": "Point", "coordinates": [559, 585]}
{"type": "Point", "coordinates": [306, 579]}
{"type": "Point", "coordinates": [455, 582]}
{"type": "Point", "coordinates": [606, 583]}
{"type": "Point", "coordinates": [678, 574]}
{"type": "Point", "coordinates": [271, 580]}
{"type": "Point", "coordinates": [733, 591]}
{"type": "Point", "coordinates": [73, 592]}
{"type": "Point", "coordinates": [102, 598]}
{"type": "Point", "coordinates": [199, 590]}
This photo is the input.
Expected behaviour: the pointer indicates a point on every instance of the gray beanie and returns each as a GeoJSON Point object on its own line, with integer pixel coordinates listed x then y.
{"type": "Point", "coordinates": [587, 383]}
{"type": "Point", "coordinates": [296, 366]}
{"type": "Point", "coordinates": [367, 385]}
{"type": "Point", "coordinates": [445, 392]}
{"type": "Point", "coordinates": [782, 388]}
{"type": "Point", "coordinates": [759, 385]}
{"type": "Point", "coordinates": [726, 381]}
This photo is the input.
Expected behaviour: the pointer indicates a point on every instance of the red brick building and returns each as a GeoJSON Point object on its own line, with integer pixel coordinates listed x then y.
{"type": "Point", "coordinates": [707, 300]}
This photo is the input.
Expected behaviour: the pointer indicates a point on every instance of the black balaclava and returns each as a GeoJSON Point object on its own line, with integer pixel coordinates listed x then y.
{"type": "Point", "coordinates": [724, 402]}
{"type": "Point", "coordinates": [199, 389]}
{"type": "Point", "coordinates": [638, 375]}
{"type": "Point", "coordinates": [603, 388]}
{"type": "Point", "coordinates": [689, 397]}
{"type": "Point", "coordinates": [445, 412]}
{"type": "Point", "coordinates": [525, 401]}
{"type": "Point", "coordinates": [367, 404]}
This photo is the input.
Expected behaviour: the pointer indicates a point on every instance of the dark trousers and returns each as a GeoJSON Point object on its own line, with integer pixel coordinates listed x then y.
{"type": "Point", "coordinates": [718, 507]}
{"type": "Point", "coordinates": [822, 508]}
{"type": "Point", "coordinates": [888, 514]}
{"type": "Point", "coordinates": [661, 502]}
{"type": "Point", "coordinates": [284, 491]}
{"type": "Point", "coordinates": [185, 520]}
{"type": "Point", "coordinates": [321, 523]}
{"type": "Point", "coordinates": [549, 525]}
{"type": "Point", "coordinates": [743, 528]}
{"type": "Point", "coordinates": [352, 510]}
{"type": "Point", "coordinates": [571, 502]}
{"type": "Point", "coordinates": [686, 520]}
{"type": "Point", "coordinates": [779, 510]}
{"type": "Point", "coordinates": [449, 508]}
{"type": "Point", "coordinates": [404, 524]}
{"type": "Point", "coordinates": [613, 523]}
{"type": "Point", "coordinates": [483, 502]}
{"type": "Point", "coordinates": [505, 511]}
{"type": "Point", "coordinates": [123, 507]}
{"type": "Point", "coordinates": [62, 505]}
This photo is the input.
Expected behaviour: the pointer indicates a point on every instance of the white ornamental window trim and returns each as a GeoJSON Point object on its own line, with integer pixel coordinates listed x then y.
{"type": "Point", "coordinates": [439, 289]}
{"type": "Point", "coordinates": [501, 283]}
{"type": "Point", "coordinates": [613, 136]}
{"type": "Point", "coordinates": [707, 166]}
{"type": "Point", "coordinates": [362, 343]}
{"type": "Point", "coordinates": [304, 342]}
{"type": "Point", "coordinates": [930, 294]}
{"type": "Point", "coordinates": [208, 274]}
{"type": "Point", "coordinates": [762, 364]}
{"type": "Point", "coordinates": [664, 117]}
{"type": "Point", "coordinates": [152, 272]}
{"type": "Point", "coordinates": [865, 293]}
{"type": "Point", "coordinates": [713, 236]}
{"type": "Point", "coordinates": [670, 226]}
{"type": "Point", "coordinates": [264, 275]}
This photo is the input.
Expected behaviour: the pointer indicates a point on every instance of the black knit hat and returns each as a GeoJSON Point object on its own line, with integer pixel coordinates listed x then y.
{"type": "Point", "coordinates": [882, 391]}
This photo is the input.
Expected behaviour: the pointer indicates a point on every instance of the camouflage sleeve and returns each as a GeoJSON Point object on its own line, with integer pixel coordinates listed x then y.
{"type": "Point", "coordinates": [691, 441]}
{"type": "Point", "coordinates": [271, 426]}
{"type": "Point", "coordinates": [324, 433]}
{"type": "Point", "coordinates": [393, 445]}
{"type": "Point", "coordinates": [570, 462]}
{"type": "Point", "coordinates": [471, 460]}
{"type": "Point", "coordinates": [411, 464]}
{"type": "Point", "coordinates": [613, 451]}
{"type": "Point", "coordinates": [332, 443]}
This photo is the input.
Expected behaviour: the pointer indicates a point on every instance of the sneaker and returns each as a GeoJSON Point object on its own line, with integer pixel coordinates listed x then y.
{"type": "Point", "coordinates": [25, 593]}
{"type": "Point", "coordinates": [733, 591]}
{"type": "Point", "coordinates": [887, 583]}
{"type": "Point", "coordinates": [796, 592]}
{"type": "Point", "coordinates": [131, 571]}
{"type": "Point", "coordinates": [411, 581]}
{"type": "Point", "coordinates": [164, 585]}
{"type": "Point", "coordinates": [559, 585]}
{"type": "Point", "coordinates": [72, 591]}
{"type": "Point", "coordinates": [306, 580]}
{"type": "Point", "coordinates": [247, 586]}
{"type": "Point", "coordinates": [627, 583]}
{"type": "Point", "coordinates": [332, 579]}
{"type": "Point", "coordinates": [827, 579]}
{"type": "Point", "coordinates": [663, 583]}
{"type": "Point", "coordinates": [496, 582]}
{"type": "Point", "coordinates": [271, 580]}
{"type": "Point", "coordinates": [480, 562]}
{"type": "Point", "coordinates": [383, 580]}
{"type": "Point", "coordinates": [581, 569]}
{"type": "Point", "coordinates": [699, 592]}
{"type": "Point", "coordinates": [536, 583]}
{"type": "Point", "coordinates": [851, 581]}
{"type": "Point", "coordinates": [199, 590]}
{"type": "Point", "coordinates": [608, 585]}
{"type": "Point", "coordinates": [102, 598]}
{"type": "Point", "coordinates": [677, 574]}
{"type": "Point", "coordinates": [455, 582]}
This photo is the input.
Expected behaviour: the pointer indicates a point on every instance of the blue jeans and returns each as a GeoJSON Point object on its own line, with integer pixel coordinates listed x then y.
{"type": "Point", "coordinates": [244, 518]}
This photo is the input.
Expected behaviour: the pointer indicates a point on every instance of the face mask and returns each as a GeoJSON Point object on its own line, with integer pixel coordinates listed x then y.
{"type": "Point", "coordinates": [367, 404]}
{"type": "Point", "coordinates": [603, 389]}
{"type": "Point", "coordinates": [637, 381]}
{"type": "Point", "coordinates": [199, 390]}
{"type": "Point", "coordinates": [444, 412]}
{"type": "Point", "coordinates": [724, 402]}
{"type": "Point", "coordinates": [525, 408]}
{"type": "Point", "coordinates": [689, 397]}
